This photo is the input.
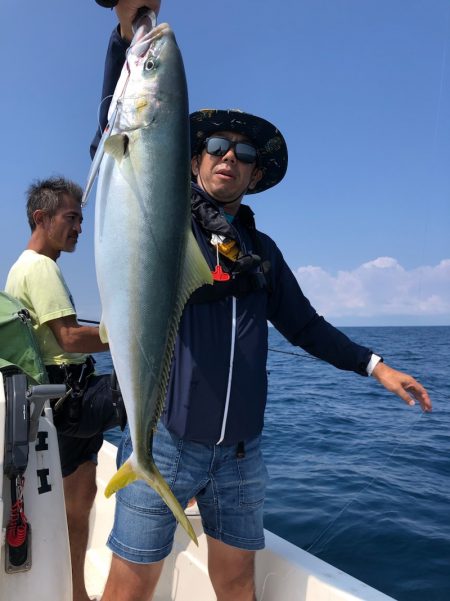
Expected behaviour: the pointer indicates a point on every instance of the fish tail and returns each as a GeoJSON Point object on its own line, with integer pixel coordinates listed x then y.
{"type": "Point", "coordinates": [127, 474]}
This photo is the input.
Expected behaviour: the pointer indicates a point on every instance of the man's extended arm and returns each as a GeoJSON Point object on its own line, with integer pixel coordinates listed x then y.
{"type": "Point", "coordinates": [292, 314]}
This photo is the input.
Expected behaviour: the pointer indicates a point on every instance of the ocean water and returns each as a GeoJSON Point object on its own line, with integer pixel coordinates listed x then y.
{"type": "Point", "coordinates": [357, 477]}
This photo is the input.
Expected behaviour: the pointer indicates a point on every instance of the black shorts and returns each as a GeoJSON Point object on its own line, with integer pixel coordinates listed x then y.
{"type": "Point", "coordinates": [80, 440]}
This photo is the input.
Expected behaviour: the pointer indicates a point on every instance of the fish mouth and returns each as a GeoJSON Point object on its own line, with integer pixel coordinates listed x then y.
{"type": "Point", "coordinates": [151, 42]}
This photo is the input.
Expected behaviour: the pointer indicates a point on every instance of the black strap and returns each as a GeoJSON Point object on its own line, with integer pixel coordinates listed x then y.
{"type": "Point", "coordinates": [249, 272]}
{"type": "Point", "coordinates": [72, 374]}
{"type": "Point", "coordinates": [240, 450]}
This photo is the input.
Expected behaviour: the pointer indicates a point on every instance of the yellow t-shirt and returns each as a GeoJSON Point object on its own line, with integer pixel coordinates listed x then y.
{"type": "Point", "coordinates": [37, 282]}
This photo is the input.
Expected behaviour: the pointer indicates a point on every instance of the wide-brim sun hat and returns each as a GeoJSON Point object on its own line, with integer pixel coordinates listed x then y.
{"type": "Point", "coordinates": [270, 144]}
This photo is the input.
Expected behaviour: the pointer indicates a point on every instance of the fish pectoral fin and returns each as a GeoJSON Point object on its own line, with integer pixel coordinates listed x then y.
{"type": "Point", "coordinates": [196, 271]}
{"type": "Point", "coordinates": [124, 476]}
{"type": "Point", "coordinates": [117, 146]}
{"type": "Point", "coordinates": [103, 333]}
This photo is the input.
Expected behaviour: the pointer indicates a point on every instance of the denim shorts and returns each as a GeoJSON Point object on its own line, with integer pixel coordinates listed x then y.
{"type": "Point", "coordinates": [229, 490]}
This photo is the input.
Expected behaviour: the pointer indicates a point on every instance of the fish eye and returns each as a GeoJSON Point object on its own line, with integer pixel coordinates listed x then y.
{"type": "Point", "coordinates": [150, 64]}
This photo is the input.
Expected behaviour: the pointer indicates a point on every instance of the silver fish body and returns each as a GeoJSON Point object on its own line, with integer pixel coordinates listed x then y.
{"type": "Point", "coordinates": [147, 260]}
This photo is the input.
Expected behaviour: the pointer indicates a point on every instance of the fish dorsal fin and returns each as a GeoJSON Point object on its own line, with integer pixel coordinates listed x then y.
{"type": "Point", "coordinates": [117, 146]}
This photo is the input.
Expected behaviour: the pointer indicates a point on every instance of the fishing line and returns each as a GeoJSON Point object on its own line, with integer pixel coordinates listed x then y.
{"type": "Point", "coordinates": [263, 589]}
{"type": "Point", "coordinates": [426, 221]}
{"type": "Point", "coordinates": [359, 493]}
{"type": "Point", "coordinates": [273, 350]}
{"type": "Point", "coordinates": [413, 425]}
{"type": "Point", "coordinates": [283, 578]}
{"type": "Point", "coordinates": [98, 112]}
{"type": "Point", "coordinates": [301, 355]}
{"type": "Point", "coordinates": [441, 84]}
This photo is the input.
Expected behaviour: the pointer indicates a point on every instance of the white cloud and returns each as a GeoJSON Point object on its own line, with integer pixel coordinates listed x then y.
{"type": "Point", "coordinates": [381, 287]}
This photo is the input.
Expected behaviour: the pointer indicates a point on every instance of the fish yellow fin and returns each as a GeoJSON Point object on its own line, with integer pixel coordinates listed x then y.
{"type": "Point", "coordinates": [117, 145]}
{"type": "Point", "coordinates": [124, 476]}
{"type": "Point", "coordinates": [195, 273]}
{"type": "Point", "coordinates": [196, 270]}
{"type": "Point", "coordinates": [103, 332]}
{"type": "Point", "coordinates": [127, 474]}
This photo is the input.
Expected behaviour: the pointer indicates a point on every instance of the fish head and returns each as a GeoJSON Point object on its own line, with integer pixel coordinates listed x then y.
{"type": "Point", "coordinates": [150, 77]}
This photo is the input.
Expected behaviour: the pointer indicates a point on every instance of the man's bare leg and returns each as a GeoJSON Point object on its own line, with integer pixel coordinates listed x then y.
{"type": "Point", "coordinates": [79, 494]}
{"type": "Point", "coordinates": [129, 581]}
{"type": "Point", "coordinates": [232, 571]}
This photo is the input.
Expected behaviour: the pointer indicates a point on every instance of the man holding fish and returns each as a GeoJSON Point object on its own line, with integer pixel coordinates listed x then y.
{"type": "Point", "coordinates": [210, 385]}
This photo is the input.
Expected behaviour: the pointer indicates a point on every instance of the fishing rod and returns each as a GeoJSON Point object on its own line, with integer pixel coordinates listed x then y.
{"type": "Point", "coordinates": [97, 323]}
{"type": "Point", "coordinates": [273, 350]}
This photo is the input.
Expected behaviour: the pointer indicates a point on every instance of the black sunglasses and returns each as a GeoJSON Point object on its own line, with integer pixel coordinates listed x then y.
{"type": "Point", "coordinates": [218, 147]}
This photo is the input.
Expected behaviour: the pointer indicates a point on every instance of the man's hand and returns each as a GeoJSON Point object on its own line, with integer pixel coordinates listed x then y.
{"type": "Point", "coordinates": [405, 386]}
{"type": "Point", "coordinates": [126, 12]}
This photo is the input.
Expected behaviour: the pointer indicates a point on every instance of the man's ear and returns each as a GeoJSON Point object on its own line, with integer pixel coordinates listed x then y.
{"type": "Point", "coordinates": [195, 165]}
{"type": "Point", "coordinates": [256, 176]}
{"type": "Point", "coordinates": [39, 216]}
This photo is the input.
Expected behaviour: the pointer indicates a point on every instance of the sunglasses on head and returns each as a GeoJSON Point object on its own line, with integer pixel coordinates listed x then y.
{"type": "Point", "coordinates": [218, 147]}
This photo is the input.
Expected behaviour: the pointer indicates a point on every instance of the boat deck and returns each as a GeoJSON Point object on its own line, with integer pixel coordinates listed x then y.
{"type": "Point", "coordinates": [283, 571]}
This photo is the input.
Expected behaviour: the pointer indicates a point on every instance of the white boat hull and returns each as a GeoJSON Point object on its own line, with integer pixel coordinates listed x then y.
{"type": "Point", "coordinates": [48, 577]}
{"type": "Point", "coordinates": [283, 571]}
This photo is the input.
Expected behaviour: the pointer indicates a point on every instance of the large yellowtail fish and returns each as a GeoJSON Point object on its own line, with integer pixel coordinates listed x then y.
{"type": "Point", "coordinates": [147, 260]}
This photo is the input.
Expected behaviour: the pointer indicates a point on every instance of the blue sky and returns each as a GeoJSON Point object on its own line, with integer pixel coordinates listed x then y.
{"type": "Point", "coordinates": [360, 90]}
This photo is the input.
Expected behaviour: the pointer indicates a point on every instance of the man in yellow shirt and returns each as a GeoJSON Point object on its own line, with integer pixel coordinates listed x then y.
{"type": "Point", "coordinates": [55, 217]}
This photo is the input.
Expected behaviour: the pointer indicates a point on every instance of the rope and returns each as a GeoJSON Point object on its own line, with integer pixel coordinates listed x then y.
{"type": "Point", "coordinates": [17, 528]}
